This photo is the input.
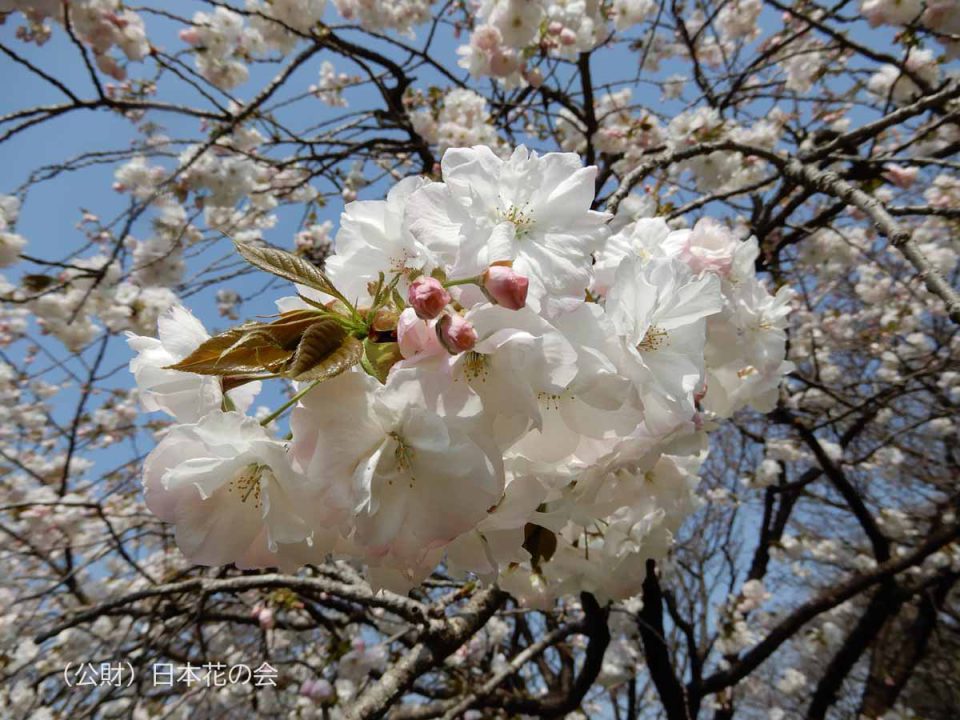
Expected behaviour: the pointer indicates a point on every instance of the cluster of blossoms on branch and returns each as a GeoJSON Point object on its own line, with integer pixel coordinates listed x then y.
{"type": "Point", "coordinates": [509, 34]}
{"type": "Point", "coordinates": [101, 24]}
{"type": "Point", "coordinates": [487, 376]}
{"type": "Point", "coordinates": [460, 118]}
{"type": "Point", "coordinates": [942, 17]}
{"type": "Point", "coordinates": [224, 41]}
{"type": "Point", "coordinates": [11, 244]}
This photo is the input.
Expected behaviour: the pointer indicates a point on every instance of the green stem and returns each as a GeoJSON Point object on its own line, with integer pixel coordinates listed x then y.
{"type": "Point", "coordinates": [475, 280]}
{"type": "Point", "coordinates": [290, 403]}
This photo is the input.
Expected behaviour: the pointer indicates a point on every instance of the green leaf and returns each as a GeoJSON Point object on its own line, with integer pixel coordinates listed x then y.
{"type": "Point", "coordinates": [378, 358]}
{"type": "Point", "coordinates": [325, 350]}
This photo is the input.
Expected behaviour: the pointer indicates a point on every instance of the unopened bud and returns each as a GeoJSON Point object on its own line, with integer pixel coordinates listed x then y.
{"type": "Point", "coordinates": [427, 297]}
{"type": "Point", "coordinates": [264, 616]}
{"type": "Point", "coordinates": [503, 63]}
{"type": "Point", "coordinates": [456, 334]}
{"type": "Point", "coordinates": [191, 36]}
{"type": "Point", "coordinates": [415, 337]}
{"type": "Point", "coordinates": [534, 77]}
{"type": "Point", "coordinates": [505, 287]}
{"type": "Point", "coordinates": [319, 690]}
{"type": "Point", "coordinates": [900, 176]}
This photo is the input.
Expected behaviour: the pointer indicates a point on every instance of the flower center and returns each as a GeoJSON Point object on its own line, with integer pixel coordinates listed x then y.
{"type": "Point", "coordinates": [475, 366]}
{"type": "Point", "coordinates": [551, 401]}
{"type": "Point", "coordinates": [403, 453]}
{"type": "Point", "coordinates": [519, 217]}
{"type": "Point", "coordinates": [746, 371]}
{"type": "Point", "coordinates": [246, 483]}
{"type": "Point", "coordinates": [403, 457]}
{"type": "Point", "coordinates": [398, 263]}
{"type": "Point", "coordinates": [655, 339]}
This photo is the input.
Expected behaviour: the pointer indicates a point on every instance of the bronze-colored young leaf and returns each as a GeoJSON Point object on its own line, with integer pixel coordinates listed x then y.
{"type": "Point", "coordinates": [242, 350]}
{"type": "Point", "coordinates": [325, 350]}
{"type": "Point", "coordinates": [286, 265]}
{"type": "Point", "coordinates": [290, 327]}
{"type": "Point", "coordinates": [250, 348]}
{"type": "Point", "coordinates": [232, 382]}
{"type": "Point", "coordinates": [37, 282]}
{"type": "Point", "coordinates": [379, 357]}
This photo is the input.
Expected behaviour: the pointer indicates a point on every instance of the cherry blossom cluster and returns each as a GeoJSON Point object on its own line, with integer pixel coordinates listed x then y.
{"type": "Point", "coordinates": [329, 89]}
{"type": "Point", "coordinates": [508, 33]}
{"type": "Point", "coordinates": [506, 30]}
{"type": "Point", "coordinates": [225, 40]}
{"type": "Point", "coordinates": [487, 376]}
{"type": "Point", "coordinates": [461, 118]}
{"type": "Point", "coordinates": [890, 81]}
{"type": "Point", "coordinates": [237, 194]}
{"type": "Point", "coordinates": [379, 15]}
{"type": "Point", "coordinates": [940, 16]}
{"type": "Point", "coordinates": [94, 292]}
{"type": "Point", "coordinates": [630, 131]}
{"type": "Point", "coordinates": [100, 24]}
{"type": "Point", "coordinates": [622, 130]}
{"type": "Point", "coordinates": [11, 244]}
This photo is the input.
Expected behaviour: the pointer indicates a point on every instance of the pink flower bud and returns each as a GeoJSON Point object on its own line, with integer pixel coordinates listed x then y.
{"type": "Point", "coordinates": [567, 36]}
{"type": "Point", "coordinates": [417, 339]}
{"type": "Point", "coordinates": [456, 334]}
{"type": "Point", "coordinates": [900, 176]}
{"type": "Point", "coordinates": [265, 618]}
{"type": "Point", "coordinates": [110, 67]}
{"type": "Point", "coordinates": [319, 690]}
{"type": "Point", "coordinates": [505, 287]}
{"type": "Point", "coordinates": [263, 615]}
{"type": "Point", "coordinates": [427, 297]}
{"type": "Point", "coordinates": [191, 36]}
{"type": "Point", "coordinates": [503, 64]}
{"type": "Point", "coordinates": [534, 77]}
